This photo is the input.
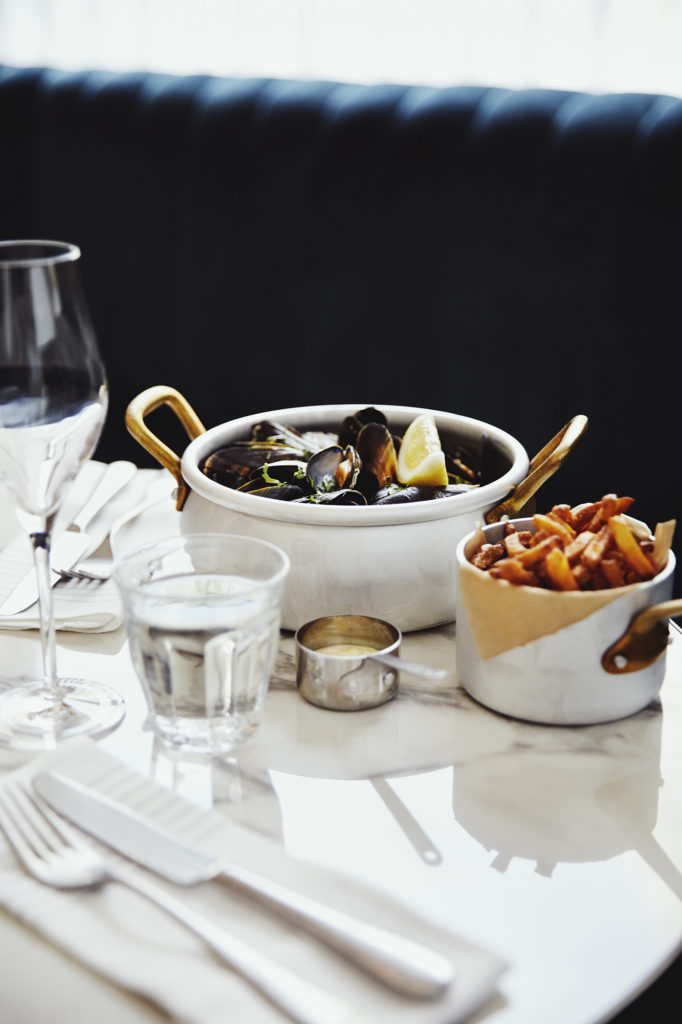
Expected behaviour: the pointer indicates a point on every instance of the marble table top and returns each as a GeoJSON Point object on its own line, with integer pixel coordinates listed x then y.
{"type": "Point", "coordinates": [558, 848]}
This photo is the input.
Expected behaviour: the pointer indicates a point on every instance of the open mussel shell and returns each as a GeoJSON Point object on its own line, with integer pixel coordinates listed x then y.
{"type": "Point", "coordinates": [333, 468]}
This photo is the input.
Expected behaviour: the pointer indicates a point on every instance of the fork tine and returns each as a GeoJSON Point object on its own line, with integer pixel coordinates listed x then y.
{"type": "Point", "coordinates": [37, 825]}
{"type": "Point", "coordinates": [82, 577]}
{"type": "Point", "coordinates": [48, 848]}
{"type": "Point", "coordinates": [16, 835]}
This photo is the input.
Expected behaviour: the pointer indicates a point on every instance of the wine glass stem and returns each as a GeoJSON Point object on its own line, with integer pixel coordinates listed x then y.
{"type": "Point", "coordinates": [41, 556]}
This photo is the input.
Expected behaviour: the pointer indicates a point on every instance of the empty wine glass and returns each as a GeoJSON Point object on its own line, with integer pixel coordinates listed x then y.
{"type": "Point", "coordinates": [53, 403]}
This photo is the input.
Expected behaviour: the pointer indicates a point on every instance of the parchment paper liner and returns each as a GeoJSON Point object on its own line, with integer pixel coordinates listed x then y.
{"type": "Point", "coordinates": [503, 615]}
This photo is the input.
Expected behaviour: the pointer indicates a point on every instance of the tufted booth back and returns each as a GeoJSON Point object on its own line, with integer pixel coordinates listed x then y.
{"type": "Point", "coordinates": [514, 256]}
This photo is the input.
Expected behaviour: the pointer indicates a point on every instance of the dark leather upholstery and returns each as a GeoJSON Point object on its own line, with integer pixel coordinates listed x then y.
{"type": "Point", "coordinates": [514, 256]}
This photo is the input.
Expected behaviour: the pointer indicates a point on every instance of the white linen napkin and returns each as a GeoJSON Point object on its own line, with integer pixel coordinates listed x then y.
{"type": "Point", "coordinates": [138, 947]}
{"type": "Point", "coordinates": [78, 606]}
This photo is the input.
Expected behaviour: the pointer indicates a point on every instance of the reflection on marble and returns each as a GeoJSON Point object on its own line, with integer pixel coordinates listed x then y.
{"type": "Point", "coordinates": [548, 794]}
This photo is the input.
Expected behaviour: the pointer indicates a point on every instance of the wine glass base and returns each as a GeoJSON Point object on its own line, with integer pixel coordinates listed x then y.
{"type": "Point", "coordinates": [32, 719]}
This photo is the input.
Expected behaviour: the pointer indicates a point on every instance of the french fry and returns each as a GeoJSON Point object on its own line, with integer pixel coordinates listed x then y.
{"type": "Point", "coordinates": [627, 544]}
{"type": "Point", "coordinates": [509, 569]}
{"type": "Point", "coordinates": [597, 547]}
{"type": "Point", "coordinates": [613, 572]}
{"type": "Point", "coordinates": [532, 555]}
{"type": "Point", "coordinates": [554, 525]}
{"type": "Point", "coordinates": [575, 549]}
{"type": "Point", "coordinates": [663, 538]}
{"type": "Point", "coordinates": [593, 546]}
{"type": "Point", "coordinates": [559, 571]}
{"type": "Point", "coordinates": [514, 546]}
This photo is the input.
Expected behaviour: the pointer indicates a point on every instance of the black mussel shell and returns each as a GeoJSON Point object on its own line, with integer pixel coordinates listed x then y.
{"type": "Point", "coordinates": [345, 496]}
{"type": "Point", "coordinates": [233, 464]}
{"type": "Point", "coordinates": [459, 465]}
{"type": "Point", "coordinates": [278, 433]}
{"type": "Point", "coordinates": [367, 484]}
{"type": "Point", "coordinates": [352, 425]}
{"type": "Point", "coordinates": [281, 492]}
{"type": "Point", "coordinates": [377, 451]}
{"type": "Point", "coordinates": [395, 494]}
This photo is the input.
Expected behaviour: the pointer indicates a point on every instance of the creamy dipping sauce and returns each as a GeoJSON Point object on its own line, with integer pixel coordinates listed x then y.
{"type": "Point", "coordinates": [348, 650]}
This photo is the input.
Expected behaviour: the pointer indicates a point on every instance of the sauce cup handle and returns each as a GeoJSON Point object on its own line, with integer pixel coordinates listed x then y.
{"type": "Point", "coordinates": [144, 404]}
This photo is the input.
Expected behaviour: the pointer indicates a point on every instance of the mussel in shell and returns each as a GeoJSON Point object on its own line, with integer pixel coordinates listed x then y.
{"type": "Point", "coordinates": [376, 449]}
{"type": "Point", "coordinates": [334, 468]}
{"type": "Point", "coordinates": [357, 466]}
{"type": "Point", "coordinates": [233, 465]}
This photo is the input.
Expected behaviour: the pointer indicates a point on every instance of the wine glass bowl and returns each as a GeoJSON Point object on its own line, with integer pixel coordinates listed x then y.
{"type": "Point", "coordinates": [53, 404]}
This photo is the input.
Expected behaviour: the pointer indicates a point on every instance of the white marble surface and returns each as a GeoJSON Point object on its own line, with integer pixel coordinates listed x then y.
{"type": "Point", "coordinates": [560, 848]}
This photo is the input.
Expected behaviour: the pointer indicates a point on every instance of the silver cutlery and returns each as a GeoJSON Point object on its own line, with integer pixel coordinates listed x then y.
{"type": "Point", "coordinates": [95, 570]}
{"type": "Point", "coordinates": [73, 543]}
{"type": "Point", "coordinates": [57, 855]}
{"type": "Point", "coordinates": [404, 965]}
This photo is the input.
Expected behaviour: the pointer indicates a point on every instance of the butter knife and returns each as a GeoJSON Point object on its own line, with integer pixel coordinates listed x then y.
{"type": "Point", "coordinates": [402, 964]}
{"type": "Point", "coordinates": [73, 543]}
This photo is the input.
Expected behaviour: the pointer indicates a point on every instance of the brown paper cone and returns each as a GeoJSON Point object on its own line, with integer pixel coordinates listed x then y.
{"type": "Point", "coordinates": [503, 615]}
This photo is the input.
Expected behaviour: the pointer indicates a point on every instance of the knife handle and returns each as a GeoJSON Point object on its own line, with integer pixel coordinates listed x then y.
{"type": "Point", "coordinates": [300, 999]}
{"type": "Point", "coordinates": [115, 477]}
{"type": "Point", "coordinates": [402, 964]}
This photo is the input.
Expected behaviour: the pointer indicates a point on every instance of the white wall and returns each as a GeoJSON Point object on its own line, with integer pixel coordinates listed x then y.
{"type": "Point", "coordinates": [599, 45]}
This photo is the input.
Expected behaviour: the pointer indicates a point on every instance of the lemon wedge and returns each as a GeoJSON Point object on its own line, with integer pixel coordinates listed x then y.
{"type": "Point", "coordinates": [421, 461]}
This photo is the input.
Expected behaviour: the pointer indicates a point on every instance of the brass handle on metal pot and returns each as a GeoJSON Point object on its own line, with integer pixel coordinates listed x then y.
{"type": "Point", "coordinates": [141, 407]}
{"type": "Point", "coordinates": [644, 640]}
{"type": "Point", "coordinates": [542, 467]}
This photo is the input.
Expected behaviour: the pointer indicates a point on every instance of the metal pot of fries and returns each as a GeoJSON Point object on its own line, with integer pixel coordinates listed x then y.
{"type": "Point", "coordinates": [562, 618]}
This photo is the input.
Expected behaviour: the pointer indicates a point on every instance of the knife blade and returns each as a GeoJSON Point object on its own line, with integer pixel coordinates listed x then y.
{"type": "Point", "coordinates": [400, 963]}
{"type": "Point", "coordinates": [73, 543]}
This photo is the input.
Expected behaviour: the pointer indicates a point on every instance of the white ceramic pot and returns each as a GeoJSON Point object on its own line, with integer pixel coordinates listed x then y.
{"type": "Point", "coordinates": [558, 679]}
{"type": "Point", "coordinates": [394, 562]}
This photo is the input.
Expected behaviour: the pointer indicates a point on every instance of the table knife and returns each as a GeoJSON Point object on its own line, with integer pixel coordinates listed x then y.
{"type": "Point", "coordinates": [73, 543]}
{"type": "Point", "coordinates": [400, 963]}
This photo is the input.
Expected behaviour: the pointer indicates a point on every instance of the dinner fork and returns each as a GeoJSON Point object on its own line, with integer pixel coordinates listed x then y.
{"type": "Point", "coordinates": [78, 572]}
{"type": "Point", "coordinates": [57, 855]}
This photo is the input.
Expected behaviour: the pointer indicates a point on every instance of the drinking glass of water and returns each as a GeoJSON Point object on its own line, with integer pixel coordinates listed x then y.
{"type": "Point", "coordinates": [203, 615]}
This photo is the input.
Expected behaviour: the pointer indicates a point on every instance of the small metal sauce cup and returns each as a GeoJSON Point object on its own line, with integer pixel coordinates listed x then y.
{"type": "Point", "coordinates": [344, 682]}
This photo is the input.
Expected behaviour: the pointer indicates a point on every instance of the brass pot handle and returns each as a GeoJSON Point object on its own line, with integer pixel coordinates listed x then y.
{"type": "Point", "coordinates": [644, 640]}
{"type": "Point", "coordinates": [144, 404]}
{"type": "Point", "coordinates": [542, 467]}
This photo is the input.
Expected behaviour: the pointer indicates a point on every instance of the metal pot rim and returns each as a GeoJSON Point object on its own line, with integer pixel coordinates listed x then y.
{"type": "Point", "coordinates": [311, 417]}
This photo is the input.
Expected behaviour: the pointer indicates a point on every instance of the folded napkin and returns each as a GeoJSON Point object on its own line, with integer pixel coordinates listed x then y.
{"type": "Point", "coordinates": [83, 609]}
{"type": "Point", "coordinates": [138, 947]}
{"type": "Point", "coordinates": [78, 606]}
